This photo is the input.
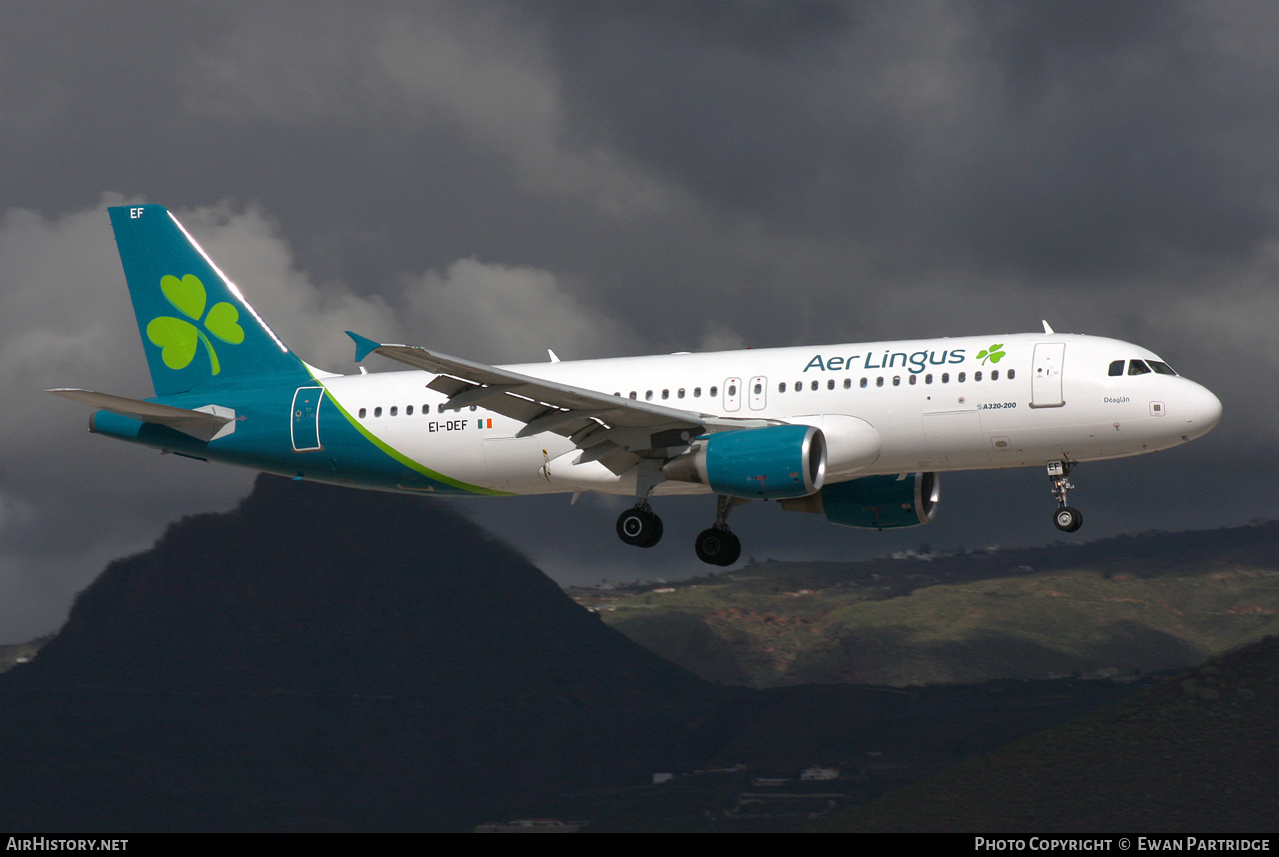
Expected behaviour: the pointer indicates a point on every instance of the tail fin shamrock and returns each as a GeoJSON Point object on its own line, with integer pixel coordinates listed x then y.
{"type": "Point", "coordinates": [197, 329]}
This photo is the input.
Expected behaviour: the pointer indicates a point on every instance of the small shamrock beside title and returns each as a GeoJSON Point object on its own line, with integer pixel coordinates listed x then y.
{"type": "Point", "coordinates": [178, 338]}
{"type": "Point", "coordinates": [994, 354]}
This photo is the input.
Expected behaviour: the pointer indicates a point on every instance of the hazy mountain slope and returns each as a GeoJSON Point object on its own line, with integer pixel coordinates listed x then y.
{"type": "Point", "coordinates": [325, 658]}
{"type": "Point", "coordinates": [1197, 754]}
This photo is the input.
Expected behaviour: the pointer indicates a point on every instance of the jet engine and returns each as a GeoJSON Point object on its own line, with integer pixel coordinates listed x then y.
{"type": "Point", "coordinates": [772, 461]}
{"type": "Point", "coordinates": [874, 502]}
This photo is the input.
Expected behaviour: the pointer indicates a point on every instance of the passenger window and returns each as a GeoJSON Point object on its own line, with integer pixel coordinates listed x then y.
{"type": "Point", "coordinates": [1136, 367]}
{"type": "Point", "coordinates": [814, 386]}
{"type": "Point", "coordinates": [377, 412]}
{"type": "Point", "coordinates": [363, 412]}
{"type": "Point", "coordinates": [897, 380]}
{"type": "Point", "coordinates": [928, 379]}
{"type": "Point", "coordinates": [408, 412]}
{"type": "Point", "coordinates": [759, 388]}
{"type": "Point", "coordinates": [697, 392]}
{"type": "Point", "coordinates": [648, 395]}
{"type": "Point", "coordinates": [994, 376]}
{"type": "Point", "coordinates": [732, 389]}
{"type": "Point", "coordinates": [680, 393]}
{"type": "Point", "coordinates": [863, 383]}
{"type": "Point", "coordinates": [830, 385]}
{"type": "Point", "coordinates": [976, 376]}
{"type": "Point", "coordinates": [633, 395]}
{"type": "Point", "coordinates": [913, 379]}
{"type": "Point", "coordinates": [1012, 373]}
{"type": "Point", "coordinates": [666, 394]}
{"type": "Point", "coordinates": [945, 377]}
{"type": "Point", "coordinates": [1116, 368]}
{"type": "Point", "coordinates": [960, 378]}
{"type": "Point", "coordinates": [848, 383]}
{"type": "Point", "coordinates": [714, 391]}
{"type": "Point", "coordinates": [879, 382]}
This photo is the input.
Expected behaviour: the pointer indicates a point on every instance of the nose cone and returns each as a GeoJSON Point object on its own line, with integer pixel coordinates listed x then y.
{"type": "Point", "coordinates": [1200, 409]}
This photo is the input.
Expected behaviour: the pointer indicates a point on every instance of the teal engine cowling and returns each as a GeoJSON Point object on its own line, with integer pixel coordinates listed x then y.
{"type": "Point", "coordinates": [771, 461]}
{"type": "Point", "coordinates": [875, 502]}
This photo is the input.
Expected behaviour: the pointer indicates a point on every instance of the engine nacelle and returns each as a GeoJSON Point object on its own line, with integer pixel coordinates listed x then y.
{"type": "Point", "coordinates": [875, 502]}
{"type": "Point", "coordinates": [772, 461]}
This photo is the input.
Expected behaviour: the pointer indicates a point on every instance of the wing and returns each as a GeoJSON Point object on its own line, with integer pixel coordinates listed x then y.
{"type": "Point", "coordinates": [613, 430]}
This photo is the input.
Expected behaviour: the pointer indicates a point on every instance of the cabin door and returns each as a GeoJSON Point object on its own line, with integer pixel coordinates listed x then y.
{"type": "Point", "coordinates": [1045, 383]}
{"type": "Point", "coordinates": [306, 419]}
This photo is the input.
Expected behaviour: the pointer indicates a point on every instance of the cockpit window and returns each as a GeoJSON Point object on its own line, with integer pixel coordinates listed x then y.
{"type": "Point", "coordinates": [1116, 367]}
{"type": "Point", "coordinates": [1160, 367]}
{"type": "Point", "coordinates": [1137, 367]}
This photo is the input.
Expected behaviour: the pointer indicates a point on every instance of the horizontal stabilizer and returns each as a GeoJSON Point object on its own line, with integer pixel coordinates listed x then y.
{"type": "Point", "coordinates": [207, 423]}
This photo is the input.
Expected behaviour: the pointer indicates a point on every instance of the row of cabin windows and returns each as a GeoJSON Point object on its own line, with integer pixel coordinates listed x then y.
{"type": "Point", "coordinates": [680, 393]}
{"type": "Point", "coordinates": [782, 387]}
{"type": "Point", "coordinates": [394, 410]}
{"type": "Point", "coordinates": [912, 380]}
{"type": "Point", "coordinates": [1139, 367]}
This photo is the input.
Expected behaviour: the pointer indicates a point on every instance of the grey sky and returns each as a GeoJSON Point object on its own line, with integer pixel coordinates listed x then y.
{"type": "Point", "coordinates": [611, 178]}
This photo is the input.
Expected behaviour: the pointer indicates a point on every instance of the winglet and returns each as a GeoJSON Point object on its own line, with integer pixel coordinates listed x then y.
{"type": "Point", "coordinates": [1047, 329]}
{"type": "Point", "coordinates": [363, 346]}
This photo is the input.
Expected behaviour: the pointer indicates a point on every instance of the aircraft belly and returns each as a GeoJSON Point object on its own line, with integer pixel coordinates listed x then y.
{"type": "Point", "coordinates": [516, 464]}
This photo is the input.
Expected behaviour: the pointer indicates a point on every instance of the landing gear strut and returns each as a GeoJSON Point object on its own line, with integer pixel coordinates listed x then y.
{"type": "Point", "coordinates": [718, 545]}
{"type": "Point", "coordinates": [1066, 518]}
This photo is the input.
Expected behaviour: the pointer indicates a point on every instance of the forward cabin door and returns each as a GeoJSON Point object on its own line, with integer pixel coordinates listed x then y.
{"type": "Point", "coordinates": [1045, 383]}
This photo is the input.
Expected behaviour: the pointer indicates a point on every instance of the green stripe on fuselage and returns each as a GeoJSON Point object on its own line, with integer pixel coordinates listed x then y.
{"type": "Point", "coordinates": [403, 459]}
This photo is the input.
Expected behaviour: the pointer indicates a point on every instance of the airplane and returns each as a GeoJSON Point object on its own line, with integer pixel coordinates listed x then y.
{"type": "Point", "coordinates": [855, 432]}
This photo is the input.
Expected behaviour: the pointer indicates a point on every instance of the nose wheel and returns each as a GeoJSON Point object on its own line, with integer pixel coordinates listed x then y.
{"type": "Point", "coordinates": [1066, 518]}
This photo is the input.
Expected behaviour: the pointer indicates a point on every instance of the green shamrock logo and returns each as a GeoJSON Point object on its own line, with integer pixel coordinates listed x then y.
{"type": "Point", "coordinates": [178, 337]}
{"type": "Point", "coordinates": [994, 354]}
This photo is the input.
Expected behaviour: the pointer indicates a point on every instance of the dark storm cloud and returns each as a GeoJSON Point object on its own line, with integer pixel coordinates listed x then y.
{"type": "Point", "coordinates": [1062, 141]}
{"type": "Point", "coordinates": [610, 178]}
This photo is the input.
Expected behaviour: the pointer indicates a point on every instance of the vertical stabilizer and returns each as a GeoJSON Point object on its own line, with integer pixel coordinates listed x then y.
{"type": "Point", "coordinates": [197, 329]}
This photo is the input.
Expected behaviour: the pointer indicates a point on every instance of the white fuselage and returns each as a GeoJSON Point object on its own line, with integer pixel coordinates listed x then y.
{"type": "Point", "coordinates": [936, 405]}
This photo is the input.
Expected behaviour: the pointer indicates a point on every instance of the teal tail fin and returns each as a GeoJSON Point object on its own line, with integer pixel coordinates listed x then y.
{"type": "Point", "coordinates": [197, 329]}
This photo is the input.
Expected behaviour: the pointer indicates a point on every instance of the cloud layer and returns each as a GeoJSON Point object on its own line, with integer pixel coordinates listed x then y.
{"type": "Point", "coordinates": [617, 178]}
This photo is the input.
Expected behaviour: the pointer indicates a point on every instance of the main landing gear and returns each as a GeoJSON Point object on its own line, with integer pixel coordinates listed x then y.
{"type": "Point", "coordinates": [1066, 518]}
{"type": "Point", "coordinates": [718, 545]}
{"type": "Point", "coordinates": [640, 526]}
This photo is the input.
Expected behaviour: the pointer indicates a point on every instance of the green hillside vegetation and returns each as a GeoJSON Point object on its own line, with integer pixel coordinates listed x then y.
{"type": "Point", "coordinates": [1131, 605]}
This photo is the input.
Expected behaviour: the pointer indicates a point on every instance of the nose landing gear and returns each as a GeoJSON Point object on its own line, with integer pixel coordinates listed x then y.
{"type": "Point", "coordinates": [1066, 518]}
